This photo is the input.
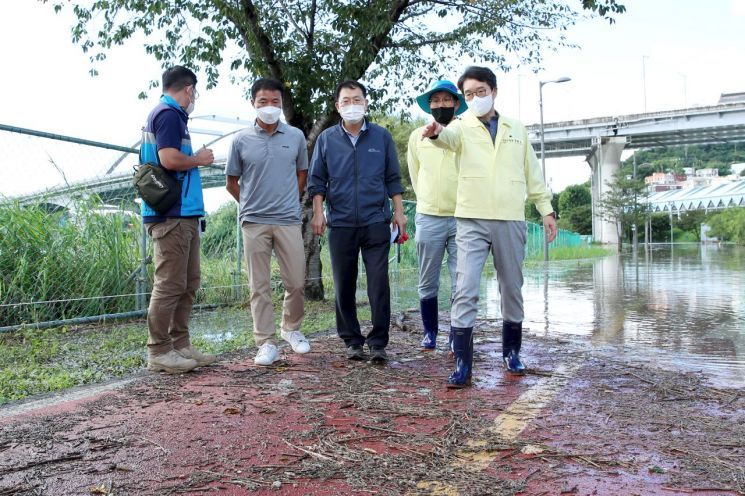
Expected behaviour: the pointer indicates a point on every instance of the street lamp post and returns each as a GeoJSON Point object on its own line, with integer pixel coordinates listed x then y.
{"type": "Point", "coordinates": [685, 89]}
{"type": "Point", "coordinates": [671, 224]}
{"type": "Point", "coordinates": [543, 150]}
{"type": "Point", "coordinates": [644, 81]}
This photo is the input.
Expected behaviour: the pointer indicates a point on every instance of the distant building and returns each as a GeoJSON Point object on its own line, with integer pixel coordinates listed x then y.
{"type": "Point", "coordinates": [708, 172]}
{"type": "Point", "coordinates": [663, 181]}
{"type": "Point", "coordinates": [737, 168]}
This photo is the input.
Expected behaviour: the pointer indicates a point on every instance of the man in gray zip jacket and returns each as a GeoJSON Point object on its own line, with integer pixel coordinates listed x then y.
{"type": "Point", "coordinates": [355, 169]}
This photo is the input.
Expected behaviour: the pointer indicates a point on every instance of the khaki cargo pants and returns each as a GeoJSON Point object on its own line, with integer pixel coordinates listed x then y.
{"type": "Point", "coordinates": [177, 276]}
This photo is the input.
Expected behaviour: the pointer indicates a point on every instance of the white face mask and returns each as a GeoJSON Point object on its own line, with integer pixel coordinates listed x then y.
{"type": "Point", "coordinates": [268, 115]}
{"type": "Point", "coordinates": [190, 108]}
{"type": "Point", "coordinates": [481, 105]}
{"type": "Point", "coordinates": [352, 113]}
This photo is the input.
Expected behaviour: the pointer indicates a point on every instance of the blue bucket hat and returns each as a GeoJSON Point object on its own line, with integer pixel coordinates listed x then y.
{"type": "Point", "coordinates": [441, 85]}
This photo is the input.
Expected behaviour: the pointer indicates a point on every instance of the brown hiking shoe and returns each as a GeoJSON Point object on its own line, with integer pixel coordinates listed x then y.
{"type": "Point", "coordinates": [202, 359]}
{"type": "Point", "coordinates": [171, 362]}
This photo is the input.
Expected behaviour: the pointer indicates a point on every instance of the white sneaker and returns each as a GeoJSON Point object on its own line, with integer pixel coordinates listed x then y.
{"type": "Point", "coordinates": [266, 355]}
{"type": "Point", "coordinates": [297, 341]}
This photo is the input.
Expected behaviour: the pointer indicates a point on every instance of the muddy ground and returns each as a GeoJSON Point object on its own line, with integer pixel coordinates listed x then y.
{"type": "Point", "coordinates": [582, 421]}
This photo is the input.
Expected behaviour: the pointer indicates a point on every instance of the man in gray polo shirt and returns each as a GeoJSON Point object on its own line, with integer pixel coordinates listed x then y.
{"type": "Point", "coordinates": [266, 173]}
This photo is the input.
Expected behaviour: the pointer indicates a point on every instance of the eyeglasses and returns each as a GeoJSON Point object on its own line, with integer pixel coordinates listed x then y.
{"type": "Point", "coordinates": [481, 92]}
{"type": "Point", "coordinates": [194, 92]}
{"type": "Point", "coordinates": [358, 100]}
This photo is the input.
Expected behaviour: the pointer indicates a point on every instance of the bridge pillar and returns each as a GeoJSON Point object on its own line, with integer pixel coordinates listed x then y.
{"type": "Point", "coordinates": [604, 160]}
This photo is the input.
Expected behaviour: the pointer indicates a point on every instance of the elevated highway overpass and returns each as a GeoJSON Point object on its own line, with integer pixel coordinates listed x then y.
{"type": "Point", "coordinates": [600, 140]}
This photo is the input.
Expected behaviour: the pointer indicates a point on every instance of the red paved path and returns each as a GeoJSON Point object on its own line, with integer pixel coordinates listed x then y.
{"type": "Point", "coordinates": [318, 424]}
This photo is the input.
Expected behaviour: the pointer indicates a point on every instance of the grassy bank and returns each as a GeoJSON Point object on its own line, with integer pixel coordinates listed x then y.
{"type": "Point", "coordinates": [574, 252]}
{"type": "Point", "coordinates": [42, 361]}
{"type": "Point", "coordinates": [62, 264]}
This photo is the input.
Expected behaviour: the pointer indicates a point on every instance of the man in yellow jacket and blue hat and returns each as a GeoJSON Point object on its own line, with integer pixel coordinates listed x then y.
{"type": "Point", "coordinates": [434, 173]}
{"type": "Point", "coordinates": [498, 170]}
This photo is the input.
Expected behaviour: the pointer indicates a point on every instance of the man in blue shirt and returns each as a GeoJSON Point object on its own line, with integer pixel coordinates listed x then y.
{"type": "Point", "coordinates": [175, 235]}
{"type": "Point", "coordinates": [355, 169]}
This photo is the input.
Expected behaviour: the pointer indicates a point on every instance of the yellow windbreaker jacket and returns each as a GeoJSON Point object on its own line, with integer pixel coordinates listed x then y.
{"type": "Point", "coordinates": [494, 179]}
{"type": "Point", "coordinates": [433, 175]}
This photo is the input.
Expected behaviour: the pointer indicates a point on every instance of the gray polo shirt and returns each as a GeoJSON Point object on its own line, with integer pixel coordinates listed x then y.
{"type": "Point", "coordinates": [267, 166]}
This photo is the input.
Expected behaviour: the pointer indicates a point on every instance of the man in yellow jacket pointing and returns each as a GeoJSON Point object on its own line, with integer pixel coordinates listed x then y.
{"type": "Point", "coordinates": [434, 174]}
{"type": "Point", "coordinates": [498, 170]}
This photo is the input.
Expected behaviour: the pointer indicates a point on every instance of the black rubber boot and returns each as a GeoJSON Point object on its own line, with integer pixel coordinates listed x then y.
{"type": "Point", "coordinates": [430, 322]}
{"type": "Point", "coordinates": [512, 337]}
{"type": "Point", "coordinates": [463, 350]}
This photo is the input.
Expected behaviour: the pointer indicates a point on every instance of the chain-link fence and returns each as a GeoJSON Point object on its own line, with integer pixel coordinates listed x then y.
{"type": "Point", "coordinates": [77, 250]}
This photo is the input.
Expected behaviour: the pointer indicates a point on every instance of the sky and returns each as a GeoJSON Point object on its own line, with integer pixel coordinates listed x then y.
{"type": "Point", "coordinates": [659, 55]}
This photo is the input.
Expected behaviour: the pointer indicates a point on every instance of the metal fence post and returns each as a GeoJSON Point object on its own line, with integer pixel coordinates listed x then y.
{"type": "Point", "coordinates": [238, 245]}
{"type": "Point", "coordinates": [142, 279]}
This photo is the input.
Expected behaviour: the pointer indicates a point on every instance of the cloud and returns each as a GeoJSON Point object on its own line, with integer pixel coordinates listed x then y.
{"type": "Point", "coordinates": [738, 8]}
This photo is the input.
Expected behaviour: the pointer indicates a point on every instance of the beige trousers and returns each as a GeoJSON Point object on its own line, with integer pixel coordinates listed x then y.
{"type": "Point", "coordinates": [287, 242]}
{"type": "Point", "coordinates": [176, 258]}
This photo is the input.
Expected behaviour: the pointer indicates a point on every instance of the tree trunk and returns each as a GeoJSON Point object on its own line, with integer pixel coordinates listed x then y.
{"type": "Point", "coordinates": [313, 267]}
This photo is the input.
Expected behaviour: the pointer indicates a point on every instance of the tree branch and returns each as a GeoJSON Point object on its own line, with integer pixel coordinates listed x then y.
{"type": "Point", "coordinates": [312, 28]}
{"type": "Point", "coordinates": [268, 54]}
{"type": "Point", "coordinates": [377, 42]}
{"type": "Point", "coordinates": [419, 44]}
{"type": "Point", "coordinates": [302, 31]}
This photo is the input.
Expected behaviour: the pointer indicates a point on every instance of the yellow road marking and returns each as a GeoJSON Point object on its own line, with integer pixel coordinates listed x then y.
{"type": "Point", "coordinates": [513, 420]}
{"type": "Point", "coordinates": [508, 425]}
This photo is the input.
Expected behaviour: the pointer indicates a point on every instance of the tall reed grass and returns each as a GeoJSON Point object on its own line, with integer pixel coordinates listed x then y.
{"type": "Point", "coordinates": [58, 256]}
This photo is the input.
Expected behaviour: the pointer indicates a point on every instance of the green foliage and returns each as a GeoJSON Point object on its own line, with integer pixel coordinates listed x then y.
{"type": "Point", "coordinates": [63, 256]}
{"type": "Point", "coordinates": [624, 204]}
{"type": "Point", "coordinates": [532, 215]}
{"type": "Point", "coordinates": [63, 265]}
{"type": "Point", "coordinates": [573, 253]}
{"type": "Point", "coordinates": [690, 223]}
{"type": "Point", "coordinates": [220, 236]}
{"type": "Point", "coordinates": [575, 205]}
{"type": "Point", "coordinates": [577, 219]}
{"type": "Point", "coordinates": [33, 362]}
{"type": "Point", "coordinates": [728, 225]}
{"type": "Point", "coordinates": [675, 158]}
{"type": "Point", "coordinates": [41, 361]}
{"type": "Point", "coordinates": [576, 195]}
{"type": "Point", "coordinates": [311, 45]}
{"type": "Point", "coordinates": [660, 227]}
{"type": "Point", "coordinates": [400, 127]}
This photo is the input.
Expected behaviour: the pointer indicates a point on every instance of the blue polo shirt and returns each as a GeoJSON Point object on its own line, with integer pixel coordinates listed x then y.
{"type": "Point", "coordinates": [166, 127]}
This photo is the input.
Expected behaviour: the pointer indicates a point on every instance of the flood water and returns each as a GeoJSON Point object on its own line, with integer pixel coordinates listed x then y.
{"type": "Point", "coordinates": [681, 307]}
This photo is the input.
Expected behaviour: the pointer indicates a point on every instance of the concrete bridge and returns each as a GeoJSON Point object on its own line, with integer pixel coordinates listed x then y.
{"type": "Point", "coordinates": [115, 186]}
{"type": "Point", "coordinates": [601, 140]}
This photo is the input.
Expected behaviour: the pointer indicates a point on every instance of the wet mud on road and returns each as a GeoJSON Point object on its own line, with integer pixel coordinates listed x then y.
{"type": "Point", "coordinates": [582, 421]}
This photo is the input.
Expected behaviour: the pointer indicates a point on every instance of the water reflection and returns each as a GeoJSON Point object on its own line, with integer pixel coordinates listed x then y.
{"type": "Point", "coordinates": [683, 307]}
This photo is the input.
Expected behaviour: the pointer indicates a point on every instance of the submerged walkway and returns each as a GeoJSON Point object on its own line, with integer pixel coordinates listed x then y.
{"type": "Point", "coordinates": [580, 422]}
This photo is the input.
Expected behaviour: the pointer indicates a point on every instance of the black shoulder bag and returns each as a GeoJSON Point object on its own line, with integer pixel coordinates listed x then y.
{"type": "Point", "coordinates": [157, 186]}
